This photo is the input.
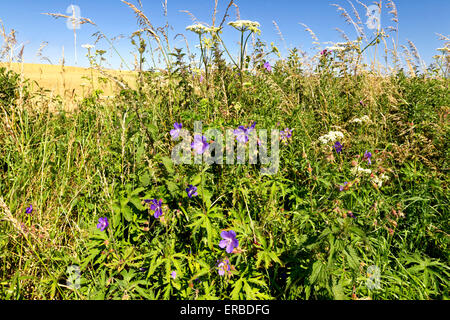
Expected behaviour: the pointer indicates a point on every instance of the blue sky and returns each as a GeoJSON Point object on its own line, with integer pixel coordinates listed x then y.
{"type": "Point", "coordinates": [419, 22]}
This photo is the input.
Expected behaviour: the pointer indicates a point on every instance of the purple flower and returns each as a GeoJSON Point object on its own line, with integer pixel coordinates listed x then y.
{"type": "Point", "coordinates": [223, 266]}
{"type": "Point", "coordinates": [338, 147]}
{"type": "Point", "coordinates": [201, 78]}
{"type": "Point", "coordinates": [341, 188]}
{"type": "Point", "coordinates": [102, 223]}
{"type": "Point", "coordinates": [199, 145]}
{"type": "Point", "coordinates": [367, 156]}
{"type": "Point", "coordinates": [157, 207]}
{"type": "Point", "coordinates": [229, 240]}
{"type": "Point", "coordinates": [191, 191]}
{"type": "Point", "coordinates": [173, 274]}
{"type": "Point", "coordinates": [175, 133]}
{"type": "Point", "coordinates": [325, 52]}
{"type": "Point", "coordinates": [267, 66]}
{"type": "Point", "coordinates": [286, 135]}
{"type": "Point", "coordinates": [29, 209]}
{"type": "Point", "coordinates": [242, 133]}
{"type": "Point", "coordinates": [351, 214]}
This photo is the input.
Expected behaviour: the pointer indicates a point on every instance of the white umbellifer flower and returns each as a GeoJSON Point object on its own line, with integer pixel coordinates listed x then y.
{"type": "Point", "coordinates": [244, 25]}
{"type": "Point", "coordinates": [445, 49]}
{"type": "Point", "coordinates": [331, 137]}
{"type": "Point", "coordinates": [87, 46]}
{"type": "Point", "coordinates": [198, 28]}
{"type": "Point", "coordinates": [356, 170]}
{"type": "Point", "coordinates": [379, 180]}
{"type": "Point", "coordinates": [335, 48]}
{"type": "Point", "coordinates": [364, 119]}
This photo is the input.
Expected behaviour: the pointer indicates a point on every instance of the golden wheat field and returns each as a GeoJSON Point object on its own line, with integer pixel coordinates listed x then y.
{"type": "Point", "coordinates": [70, 82]}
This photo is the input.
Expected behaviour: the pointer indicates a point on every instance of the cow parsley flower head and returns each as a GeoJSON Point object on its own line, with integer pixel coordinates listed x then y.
{"type": "Point", "coordinates": [363, 119]}
{"type": "Point", "coordinates": [244, 25]}
{"type": "Point", "coordinates": [380, 180]}
{"type": "Point", "coordinates": [198, 28]}
{"type": "Point", "coordinates": [331, 136]}
{"type": "Point", "coordinates": [358, 169]}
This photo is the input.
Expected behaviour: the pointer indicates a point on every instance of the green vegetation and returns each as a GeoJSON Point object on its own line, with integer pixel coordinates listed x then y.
{"type": "Point", "coordinates": [310, 231]}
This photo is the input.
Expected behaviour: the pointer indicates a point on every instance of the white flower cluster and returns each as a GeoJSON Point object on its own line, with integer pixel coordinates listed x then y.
{"type": "Point", "coordinates": [379, 180]}
{"type": "Point", "coordinates": [244, 25]}
{"type": "Point", "coordinates": [341, 46]}
{"type": "Point", "coordinates": [364, 119]}
{"type": "Point", "coordinates": [444, 49]}
{"type": "Point", "coordinates": [331, 137]}
{"type": "Point", "coordinates": [198, 28]}
{"type": "Point", "coordinates": [358, 169]}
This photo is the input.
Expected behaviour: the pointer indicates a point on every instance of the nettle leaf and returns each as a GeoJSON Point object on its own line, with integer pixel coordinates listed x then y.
{"type": "Point", "coordinates": [136, 201]}
{"type": "Point", "coordinates": [168, 164]}
{"type": "Point", "coordinates": [352, 258]}
{"type": "Point", "coordinates": [316, 270]}
{"type": "Point", "coordinates": [172, 187]}
{"type": "Point", "coordinates": [236, 289]}
{"type": "Point", "coordinates": [197, 179]}
{"type": "Point", "coordinates": [127, 213]}
{"type": "Point", "coordinates": [206, 195]}
{"type": "Point", "coordinates": [145, 179]}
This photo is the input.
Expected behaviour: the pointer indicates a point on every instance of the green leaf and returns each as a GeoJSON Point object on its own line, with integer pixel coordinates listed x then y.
{"type": "Point", "coordinates": [236, 290]}
{"type": "Point", "coordinates": [168, 163]}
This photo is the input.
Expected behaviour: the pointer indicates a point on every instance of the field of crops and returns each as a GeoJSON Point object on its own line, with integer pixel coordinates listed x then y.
{"type": "Point", "coordinates": [301, 177]}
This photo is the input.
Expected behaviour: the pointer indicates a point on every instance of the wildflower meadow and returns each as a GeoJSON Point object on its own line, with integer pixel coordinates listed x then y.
{"type": "Point", "coordinates": [230, 171]}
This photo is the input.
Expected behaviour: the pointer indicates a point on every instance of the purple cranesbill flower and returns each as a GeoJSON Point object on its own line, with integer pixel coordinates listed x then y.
{"type": "Point", "coordinates": [223, 266]}
{"type": "Point", "coordinates": [191, 191]}
{"type": "Point", "coordinates": [175, 133]}
{"type": "Point", "coordinates": [29, 210]}
{"type": "Point", "coordinates": [173, 274]}
{"type": "Point", "coordinates": [285, 135]}
{"type": "Point", "coordinates": [242, 133]}
{"type": "Point", "coordinates": [199, 145]}
{"type": "Point", "coordinates": [201, 79]}
{"type": "Point", "coordinates": [229, 240]}
{"type": "Point", "coordinates": [338, 147]}
{"type": "Point", "coordinates": [341, 188]}
{"type": "Point", "coordinates": [156, 206]}
{"type": "Point", "coordinates": [102, 223]}
{"type": "Point", "coordinates": [267, 66]}
{"type": "Point", "coordinates": [367, 156]}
